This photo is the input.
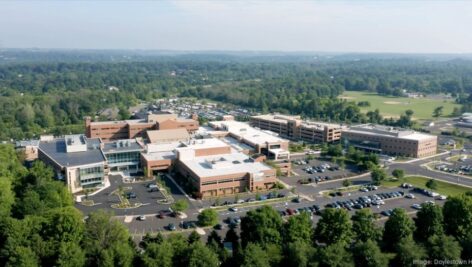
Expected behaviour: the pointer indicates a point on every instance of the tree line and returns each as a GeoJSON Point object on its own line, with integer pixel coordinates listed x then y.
{"type": "Point", "coordinates": [53, 97]}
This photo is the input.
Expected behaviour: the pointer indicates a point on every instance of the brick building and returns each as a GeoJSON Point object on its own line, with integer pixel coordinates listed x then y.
{"type": "Point", "coordinates": [389, 140]}
{"type": "Point", "coordinates": [129, 129]}
{"type": "Point", "coordinates": [295, 128]}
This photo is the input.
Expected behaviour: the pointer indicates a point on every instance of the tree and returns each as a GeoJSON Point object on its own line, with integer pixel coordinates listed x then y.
{"type": "Point", "coordinates": [201, 256]}
{"type": "Point", "coordinates": [23, 257]}
{"type": "Point", "coordinates": [444, 247]}
{"type": "Point", "coordinates": [335, 150]}
{"type": "Point", "coordinates": [438, 111]}
{"type": "Point", "coordinates": [158, 255]}
{"type": "Point", "coordinates": [180, 249]}
{"type": "Point", "coordinates": [363, 226]}
{"type": "Point", "coordinates": [466, 243]}
{"type": "Point", "coordinates": [180, 206]}
{"type": "Point", "coordinates": [378, 175]}
{"type": "Point", "coordinates": [106, 241]}
{"type": "Point", "coordinates": [274, 252]}
{"type": "Point", "coordinates": [333, 227]}
{"type": "Point", "coordinates": [193, 237]}
{"type": "Point", "coordinates": [298, 254]}
{"type": "Point", "coordinates": [428, 221]}
{"type": "Point", "coordinates": [7, 197]}
{"type": "Point", "coordinates": [262, 225]}
{"type": "Point", "coordinates": [64, 225]}
{"type": "Point", "coordinates": [254, 256]}
{"type": "Point", "coordinates": [398, 173]}
{"type": "Point", "coordinates": [368, 254]}
{"type": "Point", "coordinates": [71, 255]}
{"type": "Point", "coordinates": [334, 255]}
{"type": "Point", "coordinates": [432, 184]}
{"type": "Point", "coordinates": [409, 254]}
{"type": "Point", "coordinates": [124, 113]}
{"type": "Point", "coordinates": [208, 217]}
{"type": "Point", "coordinates": [298, 228]}
{"type": "Point", "coordinates": [458, 211]}
{"type": "Point", "coordinates": [397, 227]}
{"type": "Point", "coordinates": [347, 182]}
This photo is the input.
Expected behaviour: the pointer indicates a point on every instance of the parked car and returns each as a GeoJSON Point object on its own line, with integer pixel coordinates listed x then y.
{"type": "Point", "coordinates": [141, 218]}
{"type": "Point", "coordinates": [416, 206]}
{"type": "Point", "coordinates": [171, 227]}
{"type": "Point", "coordinates": [233, 209]}
{"type": "Point", "coordinates": [153, 189]}
{"type": "Point", "coordinates": [130, 195]}
{"type": "Point", "coordinates": [386, 213]}
{"type": "Point", "coordinates": [411, 196]}
{"type": "Point", "coordinates": [161, 215]}
{"type": "Point", "coordinates": [151, 185]}
{"type": "Point", "coordinates": [442, 197]}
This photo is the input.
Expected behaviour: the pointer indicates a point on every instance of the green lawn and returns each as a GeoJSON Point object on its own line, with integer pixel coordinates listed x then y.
{"type": "Point", "coordinates": [418, 181]}
{"type": "Point", "coordinates": [394, 106]}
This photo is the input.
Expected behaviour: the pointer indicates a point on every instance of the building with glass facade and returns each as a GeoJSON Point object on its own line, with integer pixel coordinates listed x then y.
{"type": "Point", "coordinates": [123, 156]}
{"type": "Point", "coordinates": [75, 159]}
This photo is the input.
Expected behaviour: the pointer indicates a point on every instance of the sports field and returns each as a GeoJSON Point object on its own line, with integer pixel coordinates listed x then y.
{"type": "Point", "coordinates": [394, 106]}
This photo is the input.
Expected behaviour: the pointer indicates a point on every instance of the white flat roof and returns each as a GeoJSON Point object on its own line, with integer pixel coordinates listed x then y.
{"type": "Point", "coordinates": [418, 136]}
{"type": "Point", "coordinates": [250, 134]}
{"type": "Point", "coordinates": [159, 155]}
{"type": "Point", "coordinates": [205, 143]}
{"type": "Point", "coordinates": [393, 133]}
{"type": "Point", "coordinates": [224, 164]}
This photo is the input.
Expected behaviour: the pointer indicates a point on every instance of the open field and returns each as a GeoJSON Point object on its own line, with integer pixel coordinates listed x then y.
{"type": "Point", "coordinates": [394, 106]}
{"type": "Point", "coordinates": [419, 181]}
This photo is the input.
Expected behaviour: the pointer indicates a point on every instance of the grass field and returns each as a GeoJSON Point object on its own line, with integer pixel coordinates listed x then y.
{"type": "Point", "coordinates": [394, 106]}
{"type": "Point", "coordinates": [418, 181]}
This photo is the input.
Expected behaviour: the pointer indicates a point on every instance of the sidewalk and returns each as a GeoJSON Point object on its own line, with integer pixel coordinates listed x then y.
{"type": "Point", "coordinates": [107, 184]}
{"type": "Point", "coordinates": [419, 159]}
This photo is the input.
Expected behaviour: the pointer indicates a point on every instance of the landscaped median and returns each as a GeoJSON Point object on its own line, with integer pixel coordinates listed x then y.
{"type": "Point", "coordinates": [443, 188]}
{"type": "Point", "coordinates": [255, 203]}
{"type": "Point", "coordinates": [124, 202]}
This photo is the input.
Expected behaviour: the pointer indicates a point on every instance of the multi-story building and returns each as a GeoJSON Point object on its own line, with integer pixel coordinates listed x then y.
{"type": "Point", "coordinates": [129, 129]}
{"type": "Point", "coordinates": [295, 128]}
{"type": "Point", "coordinates": [389, 140]}
{"type": "Point", "coordinates": [261, 142]}
{"type": "Point", "coordinates": [76, 159]}
{"type": "Point", "coordinates": [123, 155]}
{"type": "Point", "coordinates": [214, 169]}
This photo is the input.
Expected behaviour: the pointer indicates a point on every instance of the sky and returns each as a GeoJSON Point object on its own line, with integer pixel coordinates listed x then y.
{"type": "Point", "coordinates": [319, 26]}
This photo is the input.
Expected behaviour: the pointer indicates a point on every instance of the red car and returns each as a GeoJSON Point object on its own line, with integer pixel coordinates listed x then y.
{"type": "Point", "coordinates": [290, 211]}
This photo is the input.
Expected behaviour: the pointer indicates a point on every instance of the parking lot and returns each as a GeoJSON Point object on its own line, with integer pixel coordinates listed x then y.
{"type": "Point", "coordinates": [391, 198]}
{"type": "Point", "coordinates": [316, 171]}
{"type": "Point", "coordinates": [459, 164]}
{"type": "Point", "coordinates": [137, 193]}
